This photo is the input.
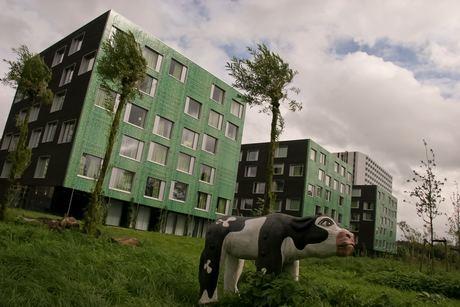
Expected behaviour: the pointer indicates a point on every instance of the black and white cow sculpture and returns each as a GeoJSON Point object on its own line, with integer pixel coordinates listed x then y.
{"type": "Point", "coordinates": [276, 242]}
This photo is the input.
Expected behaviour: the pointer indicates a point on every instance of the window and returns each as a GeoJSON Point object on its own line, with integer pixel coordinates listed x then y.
{"type": "Point", "coordinates": [6, 170]}
{"type": "Point", "coordinates": [154, 188]}
{"type": "Point", "coordinates": [319, 191]}
{"type": "Point", "coordinates": [310, 190]}
{"type": "Point", "coordinates": [153, 58]}
{"type": "Point", "coordinates": [189, 138]}
{"type": "Point", "coordinates": [258, 188]}
{"type": "Point", "coordinates": [207, 173]}
{"type": "Point", "coordinates": [158, 153]}
{"type": "Point", "coordinates": [41, 167]}
{"type": "Point", "coordinates": [215, 119]}
{"type": "Point", "coordinates": [148, 85]}
{"type": "Point", "coordinates": [368, 206]}
{"type": "Point", "coordinates": [14, 142]}
{"type": "Point", "coordinates": [322, 158]}
{"type": "Point", "coordinates": [313, 154]}
{"type": "Point", "coordinates": [217, 94]}
{"type": "Point", "coordinates": [250, 171]}
{"type": "Point", "coordinates": [209, 144]}
{"type": "Point", "coordinates": [6, 141]}
{"type": "Point", "coordinates": [336, 167]}
{"type": "Point", "coordinates": [327, 180]}
{"type": "Point", "coordinates": [58, 102]}
{"type": "Point", "coordinates": [318, 210]}
{"type": "Point", "coordinates": [231, 131]}
{"type": "Point", "coordinates": [22, 115]}
{"type": "Point", "coordinates": [296, 170]}
{"type": "Point", "coordinates": [50, 131]}
{"type": "Point", "coordinates": [292, 204]}
{"type": "Point", "coordinates": [236, 109]}
{"type": "Point", "coordinates": [87, 63]}
{"type": "Point", "coordinates": [35, 138]}
{"type": "Point", "coordinates": [349, 176]}
{"type": "Point", "coordinates": [355, 216]}
{"type": "Point", "coordinates": [281, 152]}
{"type": "Point", "coordinates": [278, 169]}
{"type": "Point", "coordinates": [66, 134]}
{"type": "Point", "coordinates": [252, 155]}
{"type": "Point", "coordinates": [246, 204]}
{"type": "Point", "coordinates": [336, 185]}
{"type": "Point", "coordinates": [67, 75]}
{"type": "Point", "coordinates": [321, 175]}
{"type": "Point", "coordinates": [355, 204]}
{"type": "Point", "coordinates": [89, 166]}
{"type": "Point", "coordinates": [278, 185]}
{"type": "Point", "coordinates": [348, 189]}
{"type": "Point", "coordinates": [135, 115]}
{"type": "Point", "coordinates": [222, 205]}
{"type": "Point", "coordinates": [341, 200]}
{"type": "Point", "coordinates": [333, 213]}
{"type": "Point", "coordinates": [328, 195]}
{"type": "Point", "coordinates": [342, 188]}
{"type": "Point", "coordinates": [204, 201]}
{"type": "Point", "coordinates": [356, 193]}
{"type": "Point", "coordinates": [177, 70]}
{"type": "Point", "coordinates": [121, 179]}
{"type": "Point", "coordinates": [162, 127]}
{"type": "Point", "coordinates": [339, 219]}
{"type": "Point", "coordinates": [76, 43]}
{"type": "Point", "coordinates": [342, 171]}
{"type": "Point", "coordinates": [178, 191]}
{"type": "Point", "coordinates": [107, 99]}
{"type": "Point", "coordinates": [277, 206]}
{"type": "Point", "coordinates": [192, 107]}
{"type": "Point", "coordinates": [367, 216]}
{"type": "Point", "coordinates": [131, 148]}
{"type": "Point", "coordinates": [34, 113]}
{"type": "Point", "coordinates": [185, 163]}
{"type": "Point", "coordinates": [58, 56]}
{"type": "Point", "coordinates": [326, 211]}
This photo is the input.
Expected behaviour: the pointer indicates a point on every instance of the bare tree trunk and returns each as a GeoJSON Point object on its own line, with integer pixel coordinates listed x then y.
{"type": "Point", "coordinates": [270, 196]}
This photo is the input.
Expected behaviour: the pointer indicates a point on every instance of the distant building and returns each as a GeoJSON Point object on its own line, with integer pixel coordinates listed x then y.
{"type": "Point", "coordinates": [307, 180]}
{"type": "Point", "coordinates": [176, 154]}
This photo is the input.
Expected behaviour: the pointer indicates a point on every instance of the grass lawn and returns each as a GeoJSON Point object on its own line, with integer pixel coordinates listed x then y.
{"type": "Point", "coordinates": [39, 267]}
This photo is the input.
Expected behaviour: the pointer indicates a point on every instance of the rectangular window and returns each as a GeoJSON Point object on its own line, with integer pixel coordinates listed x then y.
{"type": "Point", "coordinates": [342, 171]}
{"type": "Point", "coordinates": [292, 204]}
{"type": "Point", "coordinates": [349, 176]}
{"type": "Point", "coordinates": [67, 75]}
{"type": "Point", "coordinates": [185, 163]}
{"type": "Point", "coordinates": [87, 63]}
{"type": "Point", "coordinates": [89, 166]}
{"type": "Point", "coordinates": [207, 173]}
{"type": "Point", "coordinates": [356, 193]}
{"type": "Point", "coordinates": [35, 138]}
{"type": "Point", "coordinates": [278, 169]}
{"type": "Point", "coordinates": [281, 152]}
{"type": "Point", "coordinates": [148, 85]}
{"type": "Point", "coordinates": [342, 188]}
{"type": "Point", "coordinates": [14, 142]}
{"type": "Point", "coordinates": [313, 154]}
{"type": "Point", "coordinates": [252, 155]}
{"type": "Point", "coordinates": [152, 58]}
{"type": "Point", "coordinates": [321, 175]}
{"type": "Point", "coordinates": [135, 115]}
{"type": "Point", "coordinates": [189, 138]}
{"type": "Point", "coordinates": [6, 141]}
{"type": "Point", "coordinates": [296, 170]}
{"type": "Point", "coordinates": [217, 94]}
{"type": "Point", "coordinates": [107, 99]}
{"type": "Point", "coordinates": [34, 113]}
{"type": "Point", "coordinates": [215, 119]}
{"type": "Point", "coordinates": [131, 148]}
{"type": "Point", "coordinates": [66, 134]}
{"type": "Point", "coordinates": [58, 56]}
{"type": "Point", "coordinates": [336, 167]}
{"type": "Point", "coordinates": [327, 180]}
{"type": "Point", "coordinates": [355, 216]}
{"type": "Point", "coordinates": [58, 101]}
{"type": "Point", "coordinates": [258, 188]}
{"type": "Point", "coordinates": [367, 216]}
{"type": "Point", "coordinates": [6, 170]}
{"type": "Point", "coordinates": [121, 179]}
{"type": "Point", "coordinates": [311, 190]}
{"type": "Point", "coordinates": [162, 127]}
{"type": "Point", "coordinates": [50, 131]}
{"type": "Point", "coordinates": [341, 200]}
{"type": "Point", "coordinates": [318, 210]}
{"type": "Point", "coordinates": [154, 188]}
{"type": "Point", "coordinates": [41, 167]}
{"type": "Point", "coordinates": [76, 43]}
{"type": "Point", "coordinates": [222, 205]}
{"type": "Point", "coordinates": [328, 195]}
{"type": "Point", "coordinates": [277, 205]}
{"type": "Point", "coordinates": [209, 144]}
{"type": "Point", "coordinates": [339, 219]}
{"type": "Point", "coordinates": [178, 191]}
{"type": "Point", "coordinates": [322, 158]}
{"type": "Point", "coordinates": [158, 153]}
{"type": "Point", "coordinates": [204, 201]}
{"type": "Point", "coordinates": [192, 107]}
{"type": "Point", "coordinates": [177, 70]}
{"type": "Point", "coordinates": [246, 204]}
{"type": "Point", "coordinates": [250, 171]}
{"type": "Point", "coordinates": [326, 210]}
{"type": "Point", "coordinates": [333, 213]}
{"type": "Point", "coordinates": [368, 206]}
{"type": "Point", "coordinates": [348, 189]}
{"type": "Point", "coordinates": [336, 185]}
{"type": "Point", "coordinates": [236, 109]}
{"type": "Point", "coordinates": [22, 116]}
{"type": "Point", "coordinates": [278, 185]}
{"type": "Point", "coordinates": [231, 131]}
{"type": "Point", "coordinates": [319, 191]}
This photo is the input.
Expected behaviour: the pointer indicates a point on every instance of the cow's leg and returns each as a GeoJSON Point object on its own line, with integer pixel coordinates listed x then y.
{"type": "Point", "coordinates": [292, 268]}
{"type": "Point", "coordinates": [233, 269]}
{"type": "Point", "coordinates": [208, 272]}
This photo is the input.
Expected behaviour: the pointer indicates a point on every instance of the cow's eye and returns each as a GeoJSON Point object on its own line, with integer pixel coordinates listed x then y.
{"type": "Point", "coordinates": [326, 222]}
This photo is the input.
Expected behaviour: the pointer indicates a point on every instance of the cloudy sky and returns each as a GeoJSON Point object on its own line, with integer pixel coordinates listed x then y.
{"type": "Point", "coordinates": [375, 76]}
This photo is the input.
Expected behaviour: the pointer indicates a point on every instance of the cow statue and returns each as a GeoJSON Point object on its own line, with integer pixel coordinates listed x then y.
{"type": "Point", "coordinates": [276, 242]}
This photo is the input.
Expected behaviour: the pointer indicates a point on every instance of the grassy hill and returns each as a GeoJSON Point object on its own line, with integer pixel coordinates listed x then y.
{"type": "Point", "coordinates": [39, 267]}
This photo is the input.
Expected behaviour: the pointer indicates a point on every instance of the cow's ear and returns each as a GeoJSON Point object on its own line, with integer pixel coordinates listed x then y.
{"type": "Point", "coordinates": [302, 224]}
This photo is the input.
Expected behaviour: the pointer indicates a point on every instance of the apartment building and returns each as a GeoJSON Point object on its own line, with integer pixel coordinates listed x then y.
{"type": "Point", "coordinates": [176, 153]}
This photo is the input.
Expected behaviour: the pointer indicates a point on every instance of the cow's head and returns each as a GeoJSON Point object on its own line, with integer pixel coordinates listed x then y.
{"type": "Point", "coordinates": [339, 241]}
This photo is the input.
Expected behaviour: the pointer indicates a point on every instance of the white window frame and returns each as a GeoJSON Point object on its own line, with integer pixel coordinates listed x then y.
{"type": "Point", "coordinates": [187, 107]}
{"type": "Point", "coordinates": [153, 86]}
{"type": "Point", "coordinates": [220, 122]}
{"type": "Point", "coordinates": [227, 131]}
{"type": "Point", "coordinates": [112, 179]}
{"type": "Point", "coordinates": [57, 105]}
{"type": "Point", "coordinates": [245, 201]}
{"type": "Point", "coordinates": [240, 108]}
{"type": "Point", "coordinates": [156, 124]}
{"type": "Point", "coordinates": [6, 141]}
{"type": "Point", "coordinates": [292, 169]}
{"type": "Point", "coordinates": [36, 139]}
{"type": "Point", "coordinates": [6, 169]}
{"type": "Point", "coordinates": [161, 192]}
{"type": "Point", "coordinates": [159, 58]}
{"type": "Point", "coordinates": [183, 75]}
{"type": "Point", "coordinates": [196, 137]}
{"type": "Point", "coordinates": [140, 148]}
{"type": "Point", "coordinates": [213, 174]}
{"type": "Point", "coordinates": [72, 49]}
{"type": "Point", "coordinates": [289, 205]}
{"type": "Point", "coordinates": [48, 158]}
{"type": "Point", "coordinates": [64, 79]}
{"type": "Point", "coordinates": [227, 206]}
{"type": "Point", "coordinates": [88, 63]}
{"type": "Point", "coordinates": [279, 166]}
{"type": "Point", "coordinates": [247, 170]}
{"type": "Point", "coordinates": [204, 141]}
{"type": "Point", "coordinates": [248, 155]}
{"type": "Point", "coordinates": [62, 132]}
{"type": "Point", "coordinates": [208, 201]}
{"type": "Point", "coordinates": [278, 152]}
{"type": "Point", "coordinates": [191, 165]}
{"type": "Point", "coordinates": [128, 112]}
{"type": "Point", "coordinates": [258, 188]}
{"type": "Point", "coordinates": [57, 61]}
{"type": "Point", "coordinates": [84, 154]}
{"type": "Point", "coordinates": [152, 148]}
{"type": "Point", "coordinates": [213, 88]}
{"type": "Point", "coordinates": [171, 192]}
{"type": "Point", "coordinates": [47, 137]}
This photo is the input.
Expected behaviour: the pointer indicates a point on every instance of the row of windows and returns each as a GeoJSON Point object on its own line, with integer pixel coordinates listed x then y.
{"type": "Point", "coordinates": [253, 154]}
{"type": "Point", "coordinates": [41, 168]}
{"type": "Point", "coordinates": [325, 211]}
{"type": "Point", "coordinates": [318, 192]}
{"type": "Point", "coordinates": [75, 46]}
{"type": "Point", "coordinates": [385, 244]}
{"type": "Point", "coordinates": [366, 216]}
{"type": "Point", "coordinates": [292, 204]}
{"type": "Point", "coordinates": [355, 204]}
{"type": "Point", "coordinates": [314, 155]}
{"type": "Point", "coordinates": [295, 170]}
{"type": "Point", "coordinates": [383, 231]}
{"type": "Point", "coordinates": [333, 183]}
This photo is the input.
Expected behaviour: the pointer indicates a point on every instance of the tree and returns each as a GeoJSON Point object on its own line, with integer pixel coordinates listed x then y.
{"type": "Point", "coordinates": [454, 219]}
{"type": "Point", "coordinates": [264, 80]}
{"type": "Point", "coordinates": [30, 76]}
{"type": "Point", "coordinates": [121, 68]}
{"type": "Point", "coordinates": [427, 193]}
{"type": "Point", "coordinates": [411, 235]}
